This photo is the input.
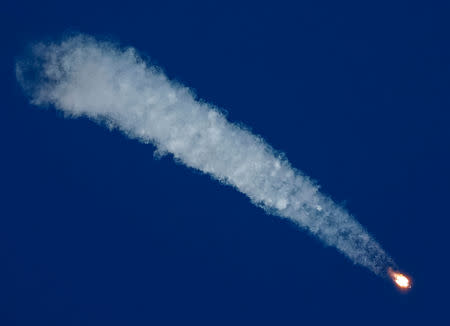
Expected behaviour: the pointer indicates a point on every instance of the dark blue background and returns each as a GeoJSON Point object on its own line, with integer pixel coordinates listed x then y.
{"type": "Point", "coordinates": [94, 231]}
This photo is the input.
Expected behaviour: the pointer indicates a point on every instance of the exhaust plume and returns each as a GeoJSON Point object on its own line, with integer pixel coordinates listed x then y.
{"type": "Point", "coordinates": [109, 84]}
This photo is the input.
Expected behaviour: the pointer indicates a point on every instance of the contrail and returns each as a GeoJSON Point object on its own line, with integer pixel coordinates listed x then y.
{"type": "Point", "coordinates": [114, 86]}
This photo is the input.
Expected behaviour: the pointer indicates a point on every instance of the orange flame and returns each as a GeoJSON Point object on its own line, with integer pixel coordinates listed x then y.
{"type": "Point", "coordinates": [401, 280]}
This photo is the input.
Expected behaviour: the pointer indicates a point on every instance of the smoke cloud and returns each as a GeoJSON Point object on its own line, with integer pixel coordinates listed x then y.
{"type": "Point", "coordinates": [109, 84]}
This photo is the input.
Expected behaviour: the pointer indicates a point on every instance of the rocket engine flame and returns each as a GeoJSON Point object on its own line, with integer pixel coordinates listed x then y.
{"type": "Point", "coordinates": [401, 280]}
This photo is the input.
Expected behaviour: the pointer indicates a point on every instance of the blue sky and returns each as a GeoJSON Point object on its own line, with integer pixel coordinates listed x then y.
{"type": "Point", "coordinates": [95, 231]}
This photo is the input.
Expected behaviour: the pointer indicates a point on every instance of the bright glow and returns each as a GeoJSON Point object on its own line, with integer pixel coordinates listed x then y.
{"type": "Point", "coordinates": [401, 280]}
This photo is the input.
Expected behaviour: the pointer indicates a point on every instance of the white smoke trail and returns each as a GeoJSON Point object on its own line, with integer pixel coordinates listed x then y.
{"type": "Point", "coordinates": [84, 77]}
